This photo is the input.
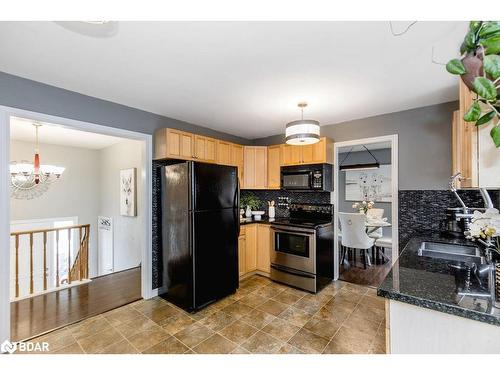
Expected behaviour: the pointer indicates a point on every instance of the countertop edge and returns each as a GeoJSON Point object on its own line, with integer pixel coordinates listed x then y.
{"type": "Point", "coordinates": [440, 307]}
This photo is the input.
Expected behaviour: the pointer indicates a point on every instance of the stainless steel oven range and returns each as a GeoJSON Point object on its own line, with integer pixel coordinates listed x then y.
{"type": "Point", "coordinates": [302, 247]}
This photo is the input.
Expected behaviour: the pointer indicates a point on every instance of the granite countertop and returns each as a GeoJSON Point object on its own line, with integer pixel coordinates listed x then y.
{"type": "Point", "coordinates": [264, 220]}
{"type": "Point", "coordinates": [431, 283]}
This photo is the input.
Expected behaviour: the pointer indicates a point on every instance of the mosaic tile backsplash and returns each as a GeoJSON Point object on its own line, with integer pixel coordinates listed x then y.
{"type": "Point", "coordinates": [425, 210]}
{"type": "Point", "coordinates": [295, 197]}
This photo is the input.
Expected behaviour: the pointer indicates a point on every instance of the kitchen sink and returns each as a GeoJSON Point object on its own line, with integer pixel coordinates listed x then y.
{"type": "Point", "coordinates": [461, 253]}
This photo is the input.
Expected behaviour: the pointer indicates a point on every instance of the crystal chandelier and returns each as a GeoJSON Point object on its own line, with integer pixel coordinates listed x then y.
{"type": "Point", "coordinates": [30, 180]}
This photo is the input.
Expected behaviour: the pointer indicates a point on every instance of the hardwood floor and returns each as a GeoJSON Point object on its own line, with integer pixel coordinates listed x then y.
{"type": "Point", "coordinates": [34, 316]}
{"type": "Point", "coordinates": [371, 276]}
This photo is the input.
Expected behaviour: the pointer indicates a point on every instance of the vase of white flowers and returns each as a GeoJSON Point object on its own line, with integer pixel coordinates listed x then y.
{"type": "Point", "coordinates": [485, 228]}
{"type": "Point", "coordinates": [363, 207]}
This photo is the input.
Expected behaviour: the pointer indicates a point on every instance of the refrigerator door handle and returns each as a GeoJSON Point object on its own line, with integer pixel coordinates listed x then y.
{"type": "Point", "coordinates": [237, 200]}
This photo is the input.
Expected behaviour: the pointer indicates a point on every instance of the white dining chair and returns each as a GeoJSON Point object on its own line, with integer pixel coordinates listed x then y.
{"type": "Point", "coordinates": [382, 244]}
{"type": "Point", "coordinates": [376, 213]}
{"type": "Point", "coordinates": [354, 235]}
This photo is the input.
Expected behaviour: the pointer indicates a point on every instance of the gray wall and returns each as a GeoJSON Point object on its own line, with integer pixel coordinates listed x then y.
{"type": "Point", "coordinates": [424, 142]}
{"type": "Point", "coordinates": [384, 157]}
{"type": "Point", "coordinates": [38, 97]}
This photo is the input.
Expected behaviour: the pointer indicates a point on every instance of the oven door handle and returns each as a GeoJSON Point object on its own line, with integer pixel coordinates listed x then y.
{"type": "Point", "coordinates": [291, 272]}
{"type": "Point", "coordinates": [308, 233]}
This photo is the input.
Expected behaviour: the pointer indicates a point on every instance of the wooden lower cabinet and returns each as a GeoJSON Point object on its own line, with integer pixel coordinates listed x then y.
{"type": "Point", "coordinates": [254, 249]}
{"type": "Point", "coordinates": [264, 248]}
{"type": "Point", "coordinates": [241, 255]}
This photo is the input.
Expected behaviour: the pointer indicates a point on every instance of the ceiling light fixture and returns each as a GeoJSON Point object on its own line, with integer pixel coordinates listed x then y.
{"type": "Point", "coordinates": [357, 167]}
{"type": "Point", "coordinates": [302, 132]}
{"type": "Point", "coordinates": [30, 180]}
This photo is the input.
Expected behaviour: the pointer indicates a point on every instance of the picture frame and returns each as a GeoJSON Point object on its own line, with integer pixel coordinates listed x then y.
{"type": "Point", "coordinates": [128, 192]}
{"type": "Point", "coordinates": [369, 185]}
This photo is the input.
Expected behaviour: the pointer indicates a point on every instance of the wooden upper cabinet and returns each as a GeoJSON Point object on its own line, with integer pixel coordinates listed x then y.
{"type": "Point", "coordinates": [465, 142]}
{"type": "Point", "coordinates": [255, 167]}
{"type": "Point", "coordinates": [274, 161]}
{"type": "Point", "coordinates": [172, 143]}
{"type": "Point", "coordinates": [307, 153]}
{"type": "Point", "coordinates": [320, 152]}
{"type": "Point", "coordinates": [224, 153]}
{"type": "Point", "coordinates": [205, 149]}
{"type": "Point", "coordinates": [292, 155]}
{"type": "Point", "coordinates": [237, 156]}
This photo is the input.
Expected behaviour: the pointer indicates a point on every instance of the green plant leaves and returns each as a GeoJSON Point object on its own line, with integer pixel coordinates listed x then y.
{"type": "Point", "coordinates": [475, 25]}
{"type": "Point", "coordinates": [491, 45]}
{"type": "Point", "coordinates": [455, 66]}
{"type": "Point", "coordinates": [495, 134]}
{"type": "Point", "coordinates": [489, 29]}
{"type": "Point", "coordinates": [470, 40]}
{"type": "Point", "coordinates": [485, 88]}
{"type": "Point", "coordinates": [491, 65]}
{"type": "Point", "coordinates": [485, 118]}
{"type": "Point", "coordinates": [473, 113]}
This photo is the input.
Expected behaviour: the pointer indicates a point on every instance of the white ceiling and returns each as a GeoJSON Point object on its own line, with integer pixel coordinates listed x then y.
{"type": "Point", "coordinates": [244, 78]}
{"type": "Point", "coordinates": [23, 130]}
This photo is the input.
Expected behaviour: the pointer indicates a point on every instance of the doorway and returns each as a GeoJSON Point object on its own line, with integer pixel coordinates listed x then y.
{"type": "Point", "coordinates": [128, 276]}
{"type": "Point", "coordinates": [366, 190]}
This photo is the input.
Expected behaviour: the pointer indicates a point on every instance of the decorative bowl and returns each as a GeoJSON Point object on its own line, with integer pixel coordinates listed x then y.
{"type": "Point", "coordinates": [257, 215]}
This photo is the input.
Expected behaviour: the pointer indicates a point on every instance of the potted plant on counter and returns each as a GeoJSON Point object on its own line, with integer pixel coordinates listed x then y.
{"type": "Point", "coordinates": [479, 69]}
{"type": "Point", "coordinates": [250, 202]}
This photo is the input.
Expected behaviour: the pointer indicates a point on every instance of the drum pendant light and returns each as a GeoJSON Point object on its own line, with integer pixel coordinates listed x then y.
{"type": "Point", "coordinates": [302, 132]}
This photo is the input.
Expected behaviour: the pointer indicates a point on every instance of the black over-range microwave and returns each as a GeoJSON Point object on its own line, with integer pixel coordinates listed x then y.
{"type": "Point", "coordinates": [307, 177]}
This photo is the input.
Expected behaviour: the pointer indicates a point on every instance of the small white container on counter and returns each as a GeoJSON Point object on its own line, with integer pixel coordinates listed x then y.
{"type": "Point", "coordinates": [272, 212]}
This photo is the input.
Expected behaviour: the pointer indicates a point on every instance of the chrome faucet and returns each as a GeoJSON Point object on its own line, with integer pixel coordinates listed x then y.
{"type": "Point", "coordinates": [453, 188]}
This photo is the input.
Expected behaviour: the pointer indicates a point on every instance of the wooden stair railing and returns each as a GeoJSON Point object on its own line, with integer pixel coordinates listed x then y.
{"type": "Point", "coordinates": [77, 270]}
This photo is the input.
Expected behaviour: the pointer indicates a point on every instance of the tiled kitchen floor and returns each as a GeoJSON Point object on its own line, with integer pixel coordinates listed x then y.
{"type": "Point", "coordinates": [262, 317]}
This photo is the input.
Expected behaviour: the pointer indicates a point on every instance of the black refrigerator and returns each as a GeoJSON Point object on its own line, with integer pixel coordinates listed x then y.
{"type": "Point", "coordinates": [200, 228]}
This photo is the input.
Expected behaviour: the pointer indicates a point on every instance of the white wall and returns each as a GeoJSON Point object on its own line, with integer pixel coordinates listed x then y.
{"type": "Point", "coordinates": [88, 188]}
{"type": "Point", "coordinates": [127, 231]}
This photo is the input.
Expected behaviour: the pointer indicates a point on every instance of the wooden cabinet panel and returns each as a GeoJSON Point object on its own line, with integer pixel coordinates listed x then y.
{"type": "Point", "coordinates": [255, 167]}
{"type": "Point", "coordinates": [172, 143]}
{"type": "Point", "coordinates": [237, 160]}
{"type": "Point", "coordinates": [241, 255]}
{"type": "Point", "coordinates": [199, 147]}
{"type": "Point", "coordinates": [261, 167]}
{"type": "Point", "coordinates": [263, 248]}
{"type": "Point", "coordinates": [186, 146]}
{"type": "Point", "coordinates": [204, 149]}
{"type": "Point", "coordinates": [251, 248]}
{"type": "Point", "coordinates": [318, 154]}
{"type": "Point", "coordinates": [224, 153]}
{"type": "Point", "coordinates": [273, 166]}
{"type": "Point", "coordinates": [249, 168]}
{"type": "Point", "coordinates": [211, 150]}
{"type": "Point", "coordinates": [307, 154]}
{"type": "Point", "coordinates": [464, 138]}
